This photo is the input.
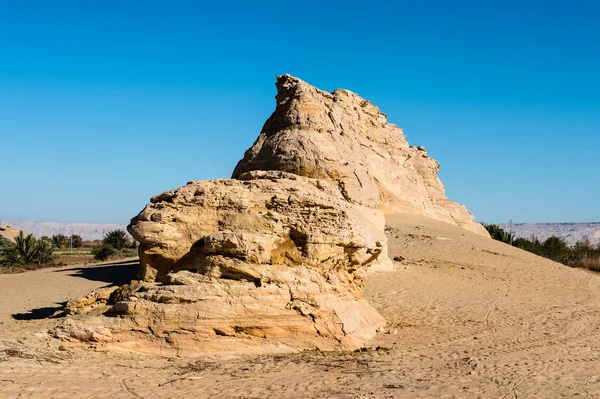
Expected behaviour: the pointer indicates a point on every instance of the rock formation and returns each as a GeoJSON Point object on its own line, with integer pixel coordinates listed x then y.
{"type": "Point", "coordinates": [9, 232]}
{"type": "Point", "coordinates": [344, 138]}
{"type": "Point", "coordinates": [270, 254]}
{"type": "Point", "coordinates": [276, 257]}
{"type": "Point", "coordinates": [231, 228]}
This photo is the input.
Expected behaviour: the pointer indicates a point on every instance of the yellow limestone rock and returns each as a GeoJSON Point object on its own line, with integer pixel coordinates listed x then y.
{"type": "Point", "coordinates": [275, 258]}
{"type": "Point", "coordinates": [343, 137]}
{"type": "Point", "coordinates": [270, 254]}
{"type": "Point", "coordinates": [9, 232]}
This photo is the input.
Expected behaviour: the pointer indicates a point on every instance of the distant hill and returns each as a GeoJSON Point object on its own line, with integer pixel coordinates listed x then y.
{"type": "Point", "coordinates": [87, 231]}
{"type": "Point", "coordinates": [570, 232]}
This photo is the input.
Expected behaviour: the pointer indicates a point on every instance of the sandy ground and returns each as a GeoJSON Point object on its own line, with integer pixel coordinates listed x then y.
{"type": "Point", "coordinates": [468, 318]}
{"type": "Point", "coordinates": [38, 294]}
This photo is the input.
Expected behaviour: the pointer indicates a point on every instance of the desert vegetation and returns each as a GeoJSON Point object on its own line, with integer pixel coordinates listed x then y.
{"type": "Point", "coordinates": [582, 254]}
{"type": "Point", "coordinates": [497, 233]}
{"type": "Point", "coordinates": [27, 252]}
{"type": "Point", "coordinates": [63, 241]}
{"type": "Point", "coordinates": [115, 244]}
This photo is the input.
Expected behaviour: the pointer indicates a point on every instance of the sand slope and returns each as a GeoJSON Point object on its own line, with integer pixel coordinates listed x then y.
{"type": "Point", "coordinates": [468, 317]}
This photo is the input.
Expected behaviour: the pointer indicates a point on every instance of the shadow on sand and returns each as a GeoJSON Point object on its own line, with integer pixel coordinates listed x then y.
{"type": "Point", "coordinates": [39, 313]}
{"type": "Point", "coordinates": [114, 273]}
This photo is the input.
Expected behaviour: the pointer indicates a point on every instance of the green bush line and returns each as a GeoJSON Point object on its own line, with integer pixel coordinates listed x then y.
{"type": "Point", "coordinates": [582, 254]}
{"type": "Point", "coordinates": [114, 242]}
{"type": "Point", "coordinates": [28, 252]}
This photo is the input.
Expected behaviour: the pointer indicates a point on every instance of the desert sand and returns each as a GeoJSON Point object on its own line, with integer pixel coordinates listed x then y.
{"type": "Point", "coordinates": [467, 317]}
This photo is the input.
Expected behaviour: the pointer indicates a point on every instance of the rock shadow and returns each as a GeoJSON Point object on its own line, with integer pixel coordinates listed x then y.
{"type": "Point", "coordinates": [40, 313]}
{"type": "Point", "coordinates": [114, 273]}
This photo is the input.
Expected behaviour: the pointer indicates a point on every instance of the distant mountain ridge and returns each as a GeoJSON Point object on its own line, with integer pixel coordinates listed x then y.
{"type": "Point", "coordinates": [87, 231]}
{"type": "Point", "coordinates": [570, 232]}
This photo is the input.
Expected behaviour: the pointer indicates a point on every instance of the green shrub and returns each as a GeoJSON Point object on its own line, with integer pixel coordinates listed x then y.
{"type": "Point", "coordinates": [4, 244]}
{"type": "Point", "coordinates": [26, 250]}
{"type": "Point", "coordinates": [498, 233]}
{"type": "Point", "coordinates": [104, 252]}
{"type": "Point", "coordinates": [531, 244]}
{"type": "Point", "coordinates": [556, 249]}
{"type": "Point", "coordinates": [60, 241]}
{"type": "Point", "coordinates": [76, 241]}
{"type": "Point", "coordinates": [116, 239]}
{"type": "Point", "coordinates": [582, 254]}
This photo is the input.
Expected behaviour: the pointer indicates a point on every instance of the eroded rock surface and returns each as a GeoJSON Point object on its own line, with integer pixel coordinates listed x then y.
{"type": "Point", "coordinates": [240, 229]}
{"type": "Point", "coordinates": [344, 138]}
{"type": "Point", "coordinates": [274, 259]}
{"type": "Point", "coordinates": [270, 254]}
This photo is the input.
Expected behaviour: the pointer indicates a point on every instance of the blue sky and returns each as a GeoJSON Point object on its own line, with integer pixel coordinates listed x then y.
{"type": "Point", "coordinates": [103, 104]}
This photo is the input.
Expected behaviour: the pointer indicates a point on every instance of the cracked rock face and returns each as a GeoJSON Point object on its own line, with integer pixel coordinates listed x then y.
{"type": "Point", "coordinates": [270, 254]}
{"type": "Point", "coordinates": [244, 228]}
{"type": "Point", "coordinates": [342, 137]}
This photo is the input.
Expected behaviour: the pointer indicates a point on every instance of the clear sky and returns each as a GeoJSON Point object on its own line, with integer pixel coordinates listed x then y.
{"type": "Point", "coordinates": [105, 103]}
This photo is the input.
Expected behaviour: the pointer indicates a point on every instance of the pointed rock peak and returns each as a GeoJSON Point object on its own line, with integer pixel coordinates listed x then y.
{"type": "Point", "coordinates": [289, 87]}
{"type": "Point", "coordinates": [342, 137]}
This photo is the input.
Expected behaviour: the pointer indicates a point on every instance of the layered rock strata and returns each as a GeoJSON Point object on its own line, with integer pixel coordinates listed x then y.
{"type": "Point", "coordinates": [275, 258]}
{"type": "Point", "coordinates": [270, 254]}
{"type": "Point", "coordinates": [344, 138]}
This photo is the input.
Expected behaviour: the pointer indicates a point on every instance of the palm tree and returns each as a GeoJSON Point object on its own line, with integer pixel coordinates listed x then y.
{"type": "Point", "coordinates": [116, 239]}
{"type": "Point", "coordinates": [26, 250]}
{"type": "Point", "coordinates": [498, 233]}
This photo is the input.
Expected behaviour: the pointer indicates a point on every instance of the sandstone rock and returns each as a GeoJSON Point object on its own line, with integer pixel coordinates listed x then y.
{"type": "Point", "coordinates": [76, 332]}
{"type": "Point", "coordinates": [269, 255]}
{"type": "Point", "coordinates": [232, 228]}
{"type": "Point", "coordinates": [274, 259]}
{"type": "Point", "coordinates": [101, 300]}
{"type": "Point", "coordinates": [341, 137]}
{"type": "Point", "coordinates": [96, 300]}
{"type": "Point", "coordinates": [9, 232]}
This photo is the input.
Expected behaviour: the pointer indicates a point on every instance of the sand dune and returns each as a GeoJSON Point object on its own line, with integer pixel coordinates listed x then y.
{"type": "Point", "coordinates": [467, 317]}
